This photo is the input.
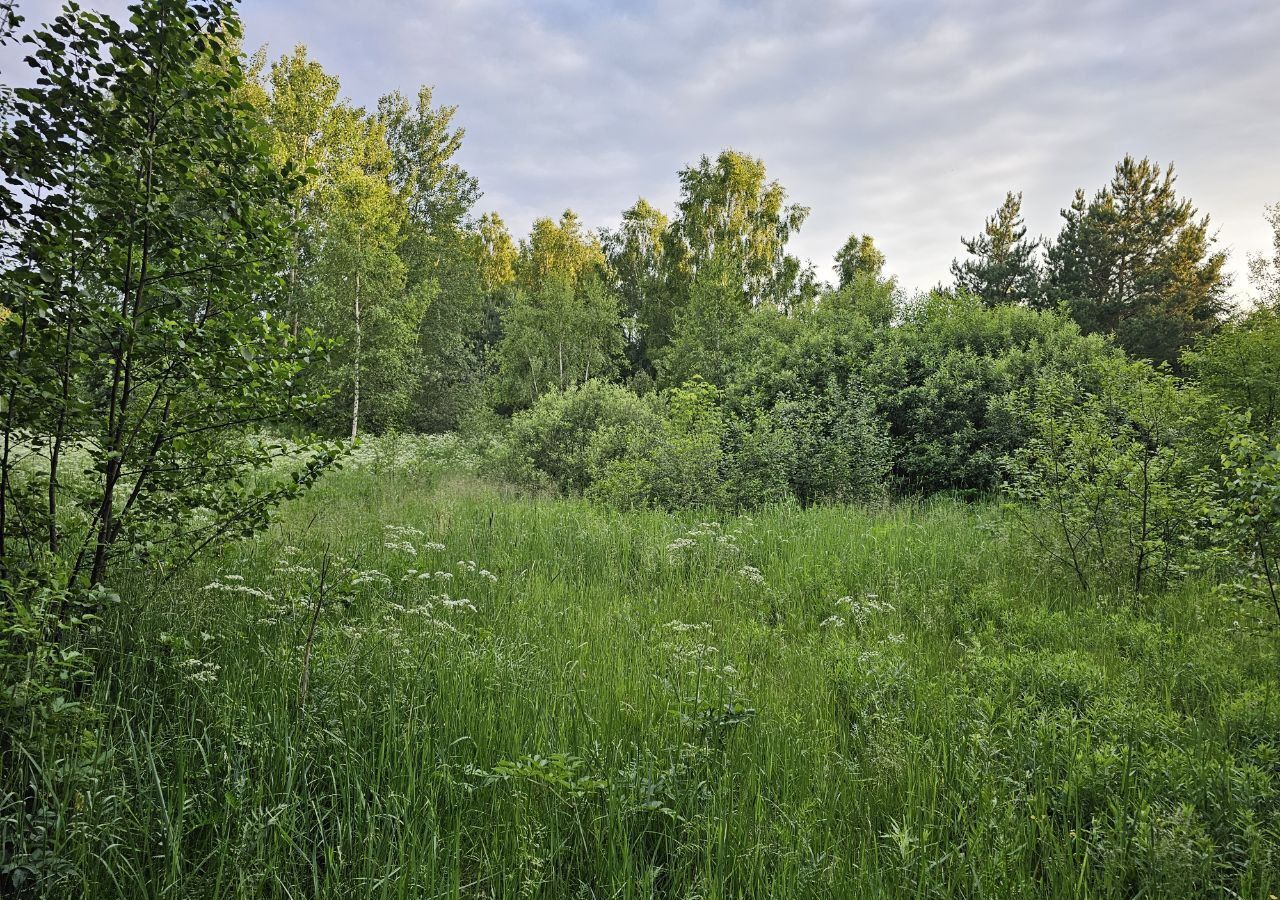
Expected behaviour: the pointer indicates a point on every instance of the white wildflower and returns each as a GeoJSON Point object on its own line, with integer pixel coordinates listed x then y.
{"type": "Point", "coordinates": [200, 672]}
{"type": "Point", "coordinates": [368, 576]}
{"type": "Point", "coordinates": [237, 588]}
{"type": "Point", "coordinates": [680, 627]}
{"type": "Point", "coordinates": [751, 574]}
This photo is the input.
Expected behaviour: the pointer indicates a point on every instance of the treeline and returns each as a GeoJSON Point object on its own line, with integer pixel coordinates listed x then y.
{"type": "Point", "coordinates": [437, 313]}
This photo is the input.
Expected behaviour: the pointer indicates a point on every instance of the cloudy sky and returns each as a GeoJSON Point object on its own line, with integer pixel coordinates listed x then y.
{"type": "Point", "coordinates": [907, 119]}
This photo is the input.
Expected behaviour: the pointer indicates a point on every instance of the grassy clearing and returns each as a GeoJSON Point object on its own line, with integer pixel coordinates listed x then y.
{"type": "Point", "coordinates": [645, 705]}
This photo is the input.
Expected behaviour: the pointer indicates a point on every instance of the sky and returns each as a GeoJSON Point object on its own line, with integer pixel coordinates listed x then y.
{"type": "Point", "coordinates": [904, 119]}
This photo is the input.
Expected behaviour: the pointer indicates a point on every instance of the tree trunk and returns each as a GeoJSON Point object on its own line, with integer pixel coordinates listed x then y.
{"type": "Point", "coordinates": [355, 394]}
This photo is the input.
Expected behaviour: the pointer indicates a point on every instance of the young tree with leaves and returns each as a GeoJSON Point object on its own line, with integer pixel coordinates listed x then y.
{"type": "Point", "coordinates": [635, 252]}
{"type": "Point", "coordinates": [731, 214]}
{"type": "Point", "coordinates": [859, 258]}
{"type": "Point", "coordinates": [312, 130]}
{"type": "Point", "coordinates": [146, 227]}
{"type": "Point", "coordinates": [359, 288]}
{"type": "Point", "coordinates": [562, 327]}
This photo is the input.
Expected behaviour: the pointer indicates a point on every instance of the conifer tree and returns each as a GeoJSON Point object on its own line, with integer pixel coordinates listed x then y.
{"type": "Point", "coordinates": [1003, 268]}
{"type": "Point", "coordinates": [1136, 262]}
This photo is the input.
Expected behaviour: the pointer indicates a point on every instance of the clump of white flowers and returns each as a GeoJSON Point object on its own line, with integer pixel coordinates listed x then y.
{"type": "Point", "coordinates": [681, 627]}
{"type": "Point", "coordinates": [751, 574]}
{"type": "Point", "coordinates": [370, 576]}
{"type": "Point", "coordinates": [233, 584]}
{"type": "Point", "coordinates": [197, 671]}
{"type": "Point", "coordinates": [858, 611]}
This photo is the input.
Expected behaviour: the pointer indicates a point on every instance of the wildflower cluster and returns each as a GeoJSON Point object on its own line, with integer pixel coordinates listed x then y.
{"type": "Point", "coordinates": [709, 537]}
{"type": "Point", "coordinates": [400, 538]}
{"type": "Point", "coordinates": [856, 610]}
{"type": "Point", "coordinates": [198, 671]}
{"type": "Point", "coordinates": [751, 574]}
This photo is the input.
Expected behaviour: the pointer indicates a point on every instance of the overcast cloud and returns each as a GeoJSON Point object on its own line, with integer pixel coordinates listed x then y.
{"type": "Point", "coordinates": [907, 120]}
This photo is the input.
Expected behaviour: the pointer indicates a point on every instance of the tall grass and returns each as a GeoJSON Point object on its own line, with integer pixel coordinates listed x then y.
{"type": "Point", "coordinates": [839, 702]}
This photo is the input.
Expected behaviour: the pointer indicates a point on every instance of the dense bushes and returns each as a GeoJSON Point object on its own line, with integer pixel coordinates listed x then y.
{"type": "Point", "coordinates": [834, 403]}
{"type": "Point", "coordinates": [552, 442]}
{"type": "Point", "coordinates": [944, 381]}
{"type": "Point", "coordinates": [1117, 467]}
{"type": "Point", "coordinates": [682, 448]}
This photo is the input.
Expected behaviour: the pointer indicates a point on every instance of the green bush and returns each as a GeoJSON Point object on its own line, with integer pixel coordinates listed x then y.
{"type": "Point", "coordinates": [552, 442]}
{"type": "Point", "coordinates": [943, 379]}
{"type": "Point", "coordinates": [1249, 519]}
{"type": "Point", "coordinates": [676, 465]}
{"type": "Point", "coordinates": [1106, 483]}
{"type": "Point", "coordinates": [1239, 366]}
{"type": "Point", "coordinates": [840, 449]}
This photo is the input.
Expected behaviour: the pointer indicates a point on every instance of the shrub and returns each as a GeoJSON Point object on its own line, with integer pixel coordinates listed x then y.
{"type": "Point", "coordinates": [1239, 367]}
{"type": "Point", "coordinates": [552, 442]}
{"type": "Point", "coordinates": [839, 448]}
{"type": "Point", "coordinates": [757, 461]}
{"type": "Point", "coordinates": [1109, 491]}
{"type": "Point", "coordinates": [943, 378]}
{"type": "Point", "coordinates": [676, 465]}
{"type": "Point", "coordinates": [1249, 510]}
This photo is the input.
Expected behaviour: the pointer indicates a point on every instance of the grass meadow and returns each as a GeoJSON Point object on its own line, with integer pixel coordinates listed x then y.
{"type": "Point", "coordinates": [426, 687]}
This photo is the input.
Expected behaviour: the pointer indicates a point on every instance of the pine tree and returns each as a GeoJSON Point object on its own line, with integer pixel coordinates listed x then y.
{"type": "Point", "coordinates": [1136, 262]}
{"type": "Point", "coordinates": [1004, 268]}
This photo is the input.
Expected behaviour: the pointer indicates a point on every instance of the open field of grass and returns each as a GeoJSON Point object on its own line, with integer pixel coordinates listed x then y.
{"type": "Point", "coordinates": [505, 697]}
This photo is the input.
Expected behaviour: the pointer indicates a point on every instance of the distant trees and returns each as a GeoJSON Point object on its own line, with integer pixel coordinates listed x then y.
{"type": "Point", "coordinates": [563, 326]}
{"type": "Point", "coordinates": [729, 214]}
{"type": "Point", "coordinates": [356, 290]}
{"type": "Point", "coordinates": [1136, 262]}
{"type": "Point", "coordinates": [433, 312]}
{"type": "Point", "coordinates": [636, 260]}
{"type": "Point", "coordinates": [1004, 267]}
{"type": "Point", "coordinates": [858, 258]}
{"type": "Point", "coordinates": [442, 250]}
{"type": "Point", "coordinates": [385, 259]}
